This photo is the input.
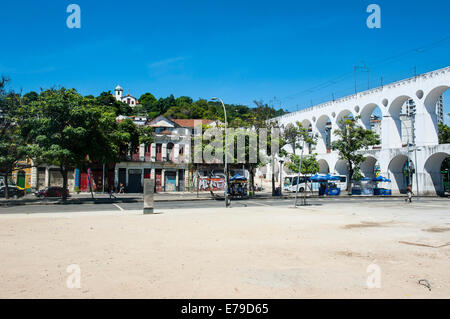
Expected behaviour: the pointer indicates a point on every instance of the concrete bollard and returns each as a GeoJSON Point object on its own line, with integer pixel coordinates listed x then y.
{"type": "Point", "coordinates": [149, 188]}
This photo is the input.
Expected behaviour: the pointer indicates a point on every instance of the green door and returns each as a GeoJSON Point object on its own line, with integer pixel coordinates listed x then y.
{"type": "Point", "coordinates": [21, 179]}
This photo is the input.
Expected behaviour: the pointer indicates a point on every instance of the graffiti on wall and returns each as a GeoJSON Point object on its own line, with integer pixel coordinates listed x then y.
{"type": "Point", "coordinates": [215, 184]}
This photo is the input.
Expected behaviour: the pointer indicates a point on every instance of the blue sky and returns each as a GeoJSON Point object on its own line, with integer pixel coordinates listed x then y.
{"type": "Point", "coordinates": [238, 50]}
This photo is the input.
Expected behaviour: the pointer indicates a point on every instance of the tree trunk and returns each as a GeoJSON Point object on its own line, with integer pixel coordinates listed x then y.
{"type": "Point", "coordinates": [350, 176]}
{"type": "Point", "coordinates": [209, 185]}
{"type": "Point", "coordinates": [273, 183]}
{"type": "Point", "coordinates": [90, 183]}
{"type": "Point", "coordinates": [252, 180]}
{"type": "Point", "coordinates": [6, 186]}
{"type": "Point", "coordinates": [64, 176]}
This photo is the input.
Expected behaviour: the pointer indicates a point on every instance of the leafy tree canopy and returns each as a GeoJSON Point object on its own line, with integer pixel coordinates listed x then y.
{"type": "Point", "coordinates": [443, 133]}
{"type": "Point", "coordinates": [353, 138]}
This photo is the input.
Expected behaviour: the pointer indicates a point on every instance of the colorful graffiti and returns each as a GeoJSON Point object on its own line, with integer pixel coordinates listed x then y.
{"type": "Point", "coordinates": [214, 184]}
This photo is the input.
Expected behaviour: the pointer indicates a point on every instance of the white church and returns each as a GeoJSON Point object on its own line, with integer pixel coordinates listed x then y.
{"type": "Point", "coordinates": [129, 99]}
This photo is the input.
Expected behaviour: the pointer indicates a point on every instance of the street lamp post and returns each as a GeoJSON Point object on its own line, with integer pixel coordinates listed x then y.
{"type": "Point", "coordinates": [298, 176]}
{"type": "Point", "coordinates": [405, 117]}
{"type": "Point", "coordinates": [226, 145]}
{"type": "Point", "coordinates": [411, 118]}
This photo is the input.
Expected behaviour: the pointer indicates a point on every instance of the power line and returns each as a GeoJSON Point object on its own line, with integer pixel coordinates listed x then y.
{"type": "Point", "coordinates": [384, 61]}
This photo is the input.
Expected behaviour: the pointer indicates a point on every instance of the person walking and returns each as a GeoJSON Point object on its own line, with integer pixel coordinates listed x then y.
{"type": "Point", "coordinates": [121, 189]}
{"type": "Point", "coordinates": [409, 193]}
{"type": "Point", "coordinates": [111, 193]}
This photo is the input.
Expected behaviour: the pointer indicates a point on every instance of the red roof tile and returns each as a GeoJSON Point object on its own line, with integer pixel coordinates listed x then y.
{"type": "Point", "coordinates": [190, 122]}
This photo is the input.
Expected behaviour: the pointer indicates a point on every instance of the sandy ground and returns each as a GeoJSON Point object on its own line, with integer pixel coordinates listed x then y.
{"type": "Point", "coordinates": [314, 252]}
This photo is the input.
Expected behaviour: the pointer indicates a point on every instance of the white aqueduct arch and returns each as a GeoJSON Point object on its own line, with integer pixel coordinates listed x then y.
{"type": "Point", "coordinates": [424, 89]}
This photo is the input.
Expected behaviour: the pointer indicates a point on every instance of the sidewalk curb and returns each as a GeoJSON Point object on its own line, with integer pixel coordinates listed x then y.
{"type": "Point", "coordinates": [22, 202]}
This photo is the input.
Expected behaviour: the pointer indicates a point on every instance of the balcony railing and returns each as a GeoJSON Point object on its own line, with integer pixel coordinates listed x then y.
{"type": "Point", "coordinates": [147, 158]}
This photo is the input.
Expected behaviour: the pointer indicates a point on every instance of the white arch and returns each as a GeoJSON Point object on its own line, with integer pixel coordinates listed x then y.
{"type": "Point", "coordinates": [321, 125]}
{"type": "Point", "coordinates": [396, 173]}
{"type": "Point", "coordinates": [343, 114]}
{"type": "Point", "coordinates": [368, 167]}
{"type": "Point", "coordinates": [392, 127]}
{"type": "Point", "coordinates": [433, 96]}
{"type": "Point", "coordinates": [341, 167]}
{"type": "Point", "coordinates": [306, 124]}
{"type": "Point", "coordinates": [395, 108]}
{"type": "Point", "coordinates": [432, 171]}
{"type": "Point", "coordinates": [324, 167]}
{"type": "Point", "coordinates": [366, 113]}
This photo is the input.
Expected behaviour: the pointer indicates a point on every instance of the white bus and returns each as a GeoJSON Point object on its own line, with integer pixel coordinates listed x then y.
{"type": "Point", "coordinates": [290, 182]}
{"type": "Point", "coordinates": [341, 183]}
{"type": "Point", "coordinates": [291, 185]}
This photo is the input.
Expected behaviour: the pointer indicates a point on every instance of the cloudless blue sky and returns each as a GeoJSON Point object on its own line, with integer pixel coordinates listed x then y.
{"type": "Point", "coordinates": [238, 50]}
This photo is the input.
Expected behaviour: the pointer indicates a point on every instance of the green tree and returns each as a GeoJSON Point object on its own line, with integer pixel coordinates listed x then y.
{"type": "Point", "coordinates": [164, 104]}
{"type": "Point", "coordinates": [13, 146]}
{"type": "Point", "coordinates": [70, 131]}
{"type": "Point", "coordinates": [309, 164]}
{"type": "Point", "coordinates": [118, 107]}
{"type": "Point", "coordinates": [127, 137]}
{"type": "Point", "coordinates": [149, 103]}
{"type": "Point", "coordinates": [30, 97]}
{"type": "Point", "coordinates": [352, 138]}
{"type": "Point", "coordinates": [443, 133]}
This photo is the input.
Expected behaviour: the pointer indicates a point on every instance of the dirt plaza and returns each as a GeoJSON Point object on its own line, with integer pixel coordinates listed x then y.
{"type": "Point", "coordinates": [318, 251]}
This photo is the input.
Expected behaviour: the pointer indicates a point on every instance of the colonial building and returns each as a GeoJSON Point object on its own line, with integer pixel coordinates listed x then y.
{"type": "Point", "coordinates": [167, 160]}
{"type": "Point", "coordinates": [129, 99]}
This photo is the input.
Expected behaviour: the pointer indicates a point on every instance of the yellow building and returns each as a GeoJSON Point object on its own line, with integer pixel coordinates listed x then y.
{"type": "Point", "coordinates": [21, 176]}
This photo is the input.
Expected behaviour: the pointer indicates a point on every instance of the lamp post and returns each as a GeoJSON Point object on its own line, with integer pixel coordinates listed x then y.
{"type": "Point", "coordinates": [226, 145]}
{"type": "Point", "coordinates": [411, 118]}
{"type": "Point", "coordinates": [298, 176]}
{"type": "Point", "coordinates": [310, 135]}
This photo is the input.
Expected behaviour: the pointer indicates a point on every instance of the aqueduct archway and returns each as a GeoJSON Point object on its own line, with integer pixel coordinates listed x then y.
{"type": "Point", "coordinates": [324, 167]}
{"type": "Point", "coordinates": [368, 167]}
{"type": "Point", "coordinates": [387, 101]}
{"type": "Point", "coordinates": [432, 172]}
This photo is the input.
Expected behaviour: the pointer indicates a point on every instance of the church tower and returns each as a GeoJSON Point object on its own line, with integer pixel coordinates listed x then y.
{"type": "Point", "coordinates": [118, 93]}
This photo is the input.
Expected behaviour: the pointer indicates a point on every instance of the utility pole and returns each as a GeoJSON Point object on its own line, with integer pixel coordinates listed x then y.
{"type": "Point", "coordinates": [415, 152]}
{"type": "Point", "coordinates": [298, 175]}
{"type": "Point", "coordinates": [227, 180]}
{"type": "Point", "coordinates": [362, 68]}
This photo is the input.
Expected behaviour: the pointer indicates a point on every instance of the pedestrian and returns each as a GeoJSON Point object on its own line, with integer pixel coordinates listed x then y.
{"type": "Point", "coordinates": [409, 193]}
{"type": "Point", "coordinates": [111, 193]}
{"type": "Point", "coordinates": [121, 189]}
